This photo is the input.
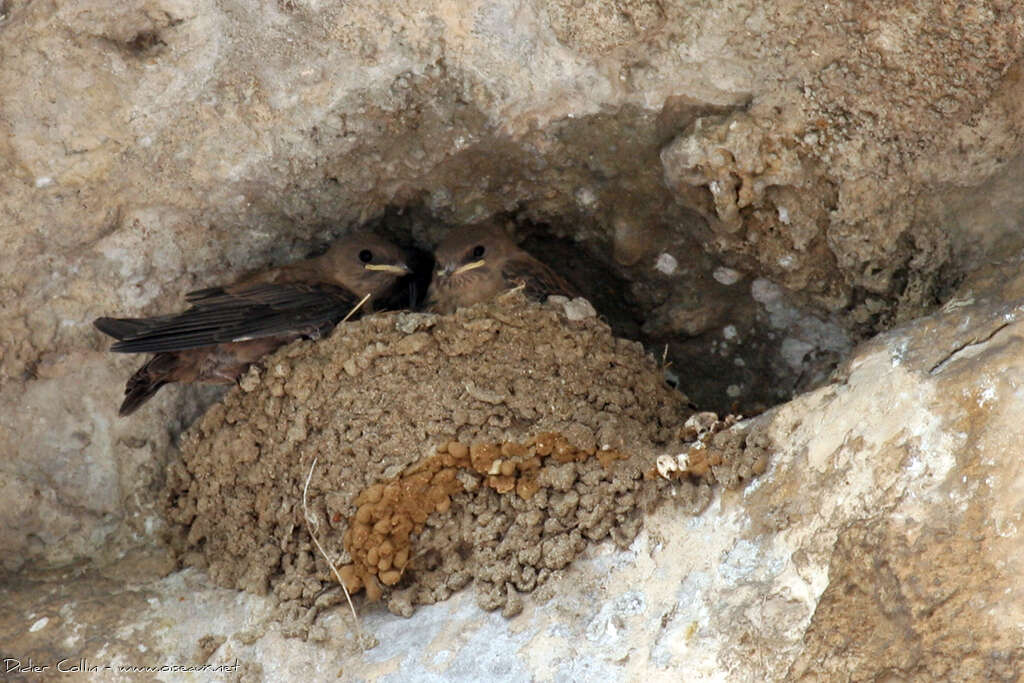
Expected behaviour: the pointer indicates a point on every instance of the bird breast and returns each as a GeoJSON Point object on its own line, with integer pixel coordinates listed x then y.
{"type": "Point", "coordinates": [465, 289]}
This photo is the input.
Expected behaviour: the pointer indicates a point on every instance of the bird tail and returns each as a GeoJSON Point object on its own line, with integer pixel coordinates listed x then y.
{"type": "Point", "coordinates": [120, 328]}
{"type": "Point", "coordinates": [146, 381]}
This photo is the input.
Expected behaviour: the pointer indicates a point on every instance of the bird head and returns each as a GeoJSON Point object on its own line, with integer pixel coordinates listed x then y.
{"type": "Point", "coordinates": [366, 263]}
{"type": "Point", "coordinates": [466, 251]}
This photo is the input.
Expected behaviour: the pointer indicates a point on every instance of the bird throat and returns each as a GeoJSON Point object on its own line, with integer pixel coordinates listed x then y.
{"type": "Point", "coordinates": [465, 287]}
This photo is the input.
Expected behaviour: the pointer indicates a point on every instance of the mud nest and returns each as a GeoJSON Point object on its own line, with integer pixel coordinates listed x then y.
{"type": "Point", "coordinates": [491, 446]}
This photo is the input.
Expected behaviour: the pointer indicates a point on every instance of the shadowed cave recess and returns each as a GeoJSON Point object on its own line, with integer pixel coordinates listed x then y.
{"type": "Point", "coordinates": [728, 336]}
{"type": "Point", "coordinates": [727, 350]}
{"type": "Point", "coordinates": [747, 300]}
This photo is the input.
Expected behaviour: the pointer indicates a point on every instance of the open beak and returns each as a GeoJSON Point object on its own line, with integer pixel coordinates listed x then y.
{"type": "Point", "coordinates": [400, 269]}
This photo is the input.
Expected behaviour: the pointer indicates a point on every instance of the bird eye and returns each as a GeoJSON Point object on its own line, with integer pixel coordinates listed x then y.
{"type": "Point", "coordinates": [478, 251]}
{"type": "Point", "coordinates": [366, 256]}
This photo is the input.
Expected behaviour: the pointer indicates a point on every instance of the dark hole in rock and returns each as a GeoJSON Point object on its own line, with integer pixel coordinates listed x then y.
{"type": "Point", "coordinates": [144, 42]}
{"type": "Point", "coordinates": [730, 341]}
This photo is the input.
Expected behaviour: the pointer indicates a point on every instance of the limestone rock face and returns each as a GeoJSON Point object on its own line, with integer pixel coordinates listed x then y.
{"type": "Point", "coordinates": [918, 537]}
{"type": "Point", "coordinates": [751, 191]}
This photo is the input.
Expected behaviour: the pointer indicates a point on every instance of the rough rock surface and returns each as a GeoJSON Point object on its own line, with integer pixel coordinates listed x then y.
{"type": "Point", "coordinates": [752, 189]}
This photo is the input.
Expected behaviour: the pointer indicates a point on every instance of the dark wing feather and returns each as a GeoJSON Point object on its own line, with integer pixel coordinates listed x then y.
{"type": "Point", "coordinates": [253, 312]}
{"type": "Point", "coordinates": [120, 328]}
{"type": "Point", "coordinates": [538, 280]}
{"type": "Point", "coordinates": [197, 295]}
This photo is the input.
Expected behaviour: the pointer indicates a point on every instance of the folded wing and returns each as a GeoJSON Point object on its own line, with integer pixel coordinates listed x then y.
{"type": "Point", "coordinates": [234, 314]}
{"type": "Point", "coordinates": [537, 279]}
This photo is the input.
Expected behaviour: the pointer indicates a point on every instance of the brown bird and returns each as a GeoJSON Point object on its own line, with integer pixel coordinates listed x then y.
{"type": "Point", "coordinates": [478, 263]}
{"type": "Point", "coordinates": [229, 327]}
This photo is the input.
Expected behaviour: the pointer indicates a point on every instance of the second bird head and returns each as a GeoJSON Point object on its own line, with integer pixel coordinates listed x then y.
{"type": "Point", "coordinates": [366, 263]}
{"type": "Point", "coordinates": [468, 267]}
